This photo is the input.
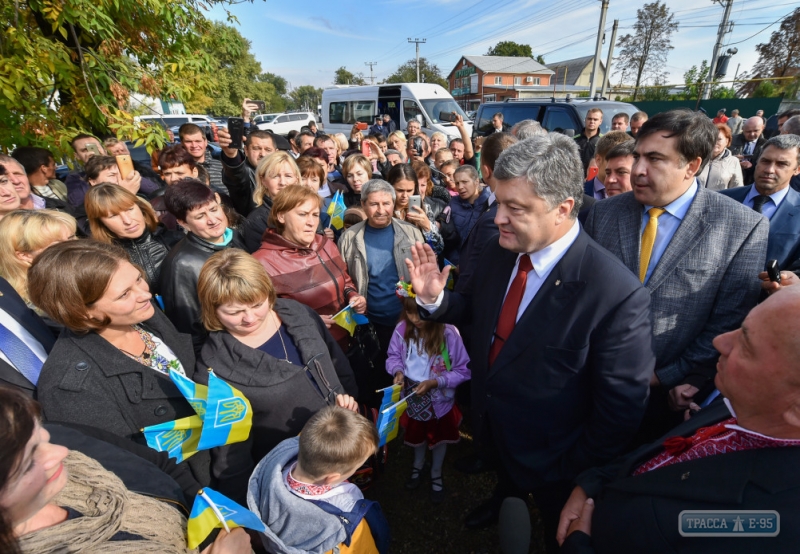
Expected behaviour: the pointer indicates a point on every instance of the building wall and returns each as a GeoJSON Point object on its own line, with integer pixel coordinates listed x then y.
{"type": "Point", "coordinates": [459, 84]}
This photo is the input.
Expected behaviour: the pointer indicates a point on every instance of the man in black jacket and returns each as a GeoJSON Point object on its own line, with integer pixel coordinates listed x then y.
{"type": "Point", "coordinates": [738, 454]}
{"type": "Point", "coordinates": [197, 209]}
{"type": "Point", "coordinates": [747, 147]}
{"type": "Point", "coordinates": [239, 168]}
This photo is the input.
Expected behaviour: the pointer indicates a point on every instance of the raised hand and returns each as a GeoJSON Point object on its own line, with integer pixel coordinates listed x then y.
{"type": "Point", "coordinates": [426, 278]}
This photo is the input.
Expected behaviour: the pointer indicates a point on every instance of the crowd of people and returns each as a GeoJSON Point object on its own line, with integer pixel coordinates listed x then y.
{"type": "Point", "coordinates": [578, 322]}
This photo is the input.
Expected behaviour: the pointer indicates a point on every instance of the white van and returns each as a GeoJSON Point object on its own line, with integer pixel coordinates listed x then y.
{"type": "Point", "coordinates": [345, 105]}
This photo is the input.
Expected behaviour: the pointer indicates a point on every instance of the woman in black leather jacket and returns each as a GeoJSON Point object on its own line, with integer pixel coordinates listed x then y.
{"type": "Point", "coordinates": [118, 217]}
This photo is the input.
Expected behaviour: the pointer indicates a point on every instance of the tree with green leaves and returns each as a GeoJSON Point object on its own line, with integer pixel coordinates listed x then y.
{"type": "Point", "coordinates": [694, 80]}
{"type": "Point", "coordinates": [72, 65]}
{"type": "Point", "coordinates": [778, 57]}
{"type": "Point", "coordinates": [305, 97]}
{"type": "Point", "coordinates": [407, 73]}
{"type": "Point", "coordinates": [643, 54]}
{"type": "Point", "coordinates": [514, 49]}
{"type": "Point", "coordinates": [344, 77]}
{"type": "Point", "coordinates": [237, 75]}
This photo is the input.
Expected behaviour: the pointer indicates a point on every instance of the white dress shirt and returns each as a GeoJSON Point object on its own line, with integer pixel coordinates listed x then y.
{"type": "Point", "coordinates": [543, 262]}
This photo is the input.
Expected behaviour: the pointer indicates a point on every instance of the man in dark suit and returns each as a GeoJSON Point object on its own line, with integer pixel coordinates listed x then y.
{"type": "Point", "coordinates": [560, 338]}
{"type": "Point", "coordinates": [25, 341]}
{"type": "Point", "coordinates": [696, 251]}
{"type": "Point", "coordinates": [745, 458]}
{"type": "Point", "coordinates": [772, 196]}
{"type": "Point", "coordinates": [747, 146]}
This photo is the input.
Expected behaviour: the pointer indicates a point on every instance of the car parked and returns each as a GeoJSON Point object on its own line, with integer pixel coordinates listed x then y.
{"type": "Point", "coordinates": [285, 122]}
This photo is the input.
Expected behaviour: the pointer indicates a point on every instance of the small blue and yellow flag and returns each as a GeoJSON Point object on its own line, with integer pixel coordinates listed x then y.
{"type": "Point", "coordinates": [178, 438]}
{"type": "Point", "coordinates": [228, 416]}
{"type": "Point", "coordinates": [391, 395]}
{"type": "Point", "coordinates": [212, 510]}
{"type": "Point", "coordinates": [195, 394]}
{"type": "Point", "coordinates": [389, 421]}
{"type": "Point", "coordinates": [451, 283]}
{"type": "Point", "coordinates": [348, 319]}
{"type": "Point", "coordinates": [336, 210]}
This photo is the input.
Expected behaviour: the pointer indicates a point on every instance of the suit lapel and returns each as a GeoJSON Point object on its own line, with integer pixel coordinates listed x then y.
{"type": "Point", "coordinates": [629, 220]}
{"type": "Point", "coordinates": [14, 306]}
{"type": "Point", "coordinates": [556, 292]}
{"type": "Point", "coordinates": [785, 217]}
{"type": "Point", "coordinates": [493, 296]}
{"type": "Point", "coordinates": [689, 232]}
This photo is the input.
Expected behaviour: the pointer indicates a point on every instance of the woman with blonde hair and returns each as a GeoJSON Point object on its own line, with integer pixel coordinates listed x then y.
{"type": "Point", "coordinates": [274, 172]}
{"type": "Point", "coordinates": [397, 141]}
{"type": "Point", "coordinates": [117, 216]}
{"type": "Point", "coordinates": [341, 146]}
{"type": "Point", "coordinates": [276, 351]}
{"type": "Point", "coordinates": [24, 234]}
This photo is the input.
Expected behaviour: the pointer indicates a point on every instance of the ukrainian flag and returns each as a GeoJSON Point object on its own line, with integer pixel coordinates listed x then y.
{"type": "Point", "coordinates": [348, 319]}
{"type": "Point", "coordinates": [336, 210]}
{"type": "Point", "coordinates": [391, 395]}
{"type": "Point", "coordinates": [195, 394]}
{"type": "Point", "coordinates": [177, 438]}
{"type": "Point", "coordinates": [212, 510]}
{"type": "Point", "coordinates": [451, 284]}
{"type": "Point", "coordinates": [389, 421]}
{"type": "Point", "coordinates": [228, 417]}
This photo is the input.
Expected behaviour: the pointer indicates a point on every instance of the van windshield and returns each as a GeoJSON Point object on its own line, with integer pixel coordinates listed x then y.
{"type": "Point", "coordinates": [434, 106]}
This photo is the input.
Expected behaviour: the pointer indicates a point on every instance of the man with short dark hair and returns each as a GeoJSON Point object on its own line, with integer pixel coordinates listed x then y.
{"type": "Point", "coordinates": [239, 168]}
{"type": "Point", "coordinates": [637, 120]}
{"type": "Point", "coordinates": [303, 141]}
{"type": "Point", "coordinates": [497, 123]}
{"type": "Point", "coordinates": [771, 196]}
{"type": "Point", "coordinates": [620, 122]}
{"type": "Point", "coordinates": [328, 144]}
{"type": "Point", "coordinates": [595, 187]}
{"type": "Point", "coordinates": [194, 139]}
{"type": "Point", "coordinates": [617, 169]}
{"type": "Point", "coordinates": [697, 253]}
{"type": "Point", "coordinates": [377, 128]}
{"type": "Point", "coordinates": [389, 125]}
{"type": "Point", "coordinates": [40, 166]}
{"type": "Point", "coordinates": [588, 137]}
{"type": "Point", "coordinates": [783, 117]}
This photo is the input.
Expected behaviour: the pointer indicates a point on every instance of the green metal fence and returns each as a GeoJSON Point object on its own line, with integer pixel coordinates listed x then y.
{"type": "Point", "coordinates": [747, 106]}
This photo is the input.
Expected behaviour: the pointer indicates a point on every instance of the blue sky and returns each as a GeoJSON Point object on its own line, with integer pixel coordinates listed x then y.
{"type": "Point", "coordinates": [306, 41]}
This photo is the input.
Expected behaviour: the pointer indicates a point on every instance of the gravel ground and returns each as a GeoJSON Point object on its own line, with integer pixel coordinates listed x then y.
{"type": "Point", "coordinates": [418, 526]}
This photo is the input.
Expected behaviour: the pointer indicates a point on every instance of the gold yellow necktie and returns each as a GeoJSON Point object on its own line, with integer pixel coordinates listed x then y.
{"type": "Point", "coordinates": [648, 239]}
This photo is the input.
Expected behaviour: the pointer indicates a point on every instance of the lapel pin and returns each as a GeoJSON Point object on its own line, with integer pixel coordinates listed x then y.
{"type": "Point", "coordinates": [685, 476]}
{"type": "Point", "coordinates": [558, 282]}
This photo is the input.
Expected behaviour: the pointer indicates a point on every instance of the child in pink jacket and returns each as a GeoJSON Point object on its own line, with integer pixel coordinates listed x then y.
{"type": "Point", "coordinates": [430, 359]}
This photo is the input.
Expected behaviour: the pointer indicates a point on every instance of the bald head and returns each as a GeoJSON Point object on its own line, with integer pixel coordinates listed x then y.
{"type": "Point", "coordinates": [758, 370]}
{"type": "Point", "coordinates": [752, 128]}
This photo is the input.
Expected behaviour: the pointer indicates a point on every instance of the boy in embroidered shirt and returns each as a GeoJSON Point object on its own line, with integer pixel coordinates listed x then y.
{"type": "Point", "coordinates": [301, 493]}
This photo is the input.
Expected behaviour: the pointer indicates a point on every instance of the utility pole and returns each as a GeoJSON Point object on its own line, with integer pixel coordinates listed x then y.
{"type": "Point", "coordinates": [417, 42]}
{"type": "Point", "coordinates": [371, 78]}
{"type": "Point", "coordinates": [610, 55]}
{"type": "Point", "coordinates": [723, 30]}
{"type": "Point", "coordinates": [598, 48]}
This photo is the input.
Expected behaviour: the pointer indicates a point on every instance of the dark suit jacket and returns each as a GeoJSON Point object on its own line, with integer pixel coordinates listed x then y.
{"type": "Point", "coordinates": [12, 304]}
{"type": "Point", "coordinates": [737, 147]}
{"type": "Point", "coordinates": [640, 514]}
{"type": "Point", "coordinates": [588, 187]}
{"type": "Point", "coordinates": [705, 282]}
{"type": "Point", "coordinates": [570, 385]}
{"type": "Point", "coordinates": [784, 227]}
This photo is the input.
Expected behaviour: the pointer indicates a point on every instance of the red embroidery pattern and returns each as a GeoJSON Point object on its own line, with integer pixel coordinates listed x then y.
{"type": "Point", "coordinates": [305, 488]}
{"type": "Point", "coordinates": [710, 441]}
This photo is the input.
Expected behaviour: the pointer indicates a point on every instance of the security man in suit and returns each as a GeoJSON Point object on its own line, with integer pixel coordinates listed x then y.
{"type": "Point", "coordinates": [25, 341]}
{"type": "Point", "coordinates": [696, 251]}
{"type": "Point", "coordinates": [772, 196]}
{"type": "Point", "coordinates": [560, 335]}
{"type": "Point", "coordinates": [741, 453]}
{"type": "Point", "coordinates": [747, 146]}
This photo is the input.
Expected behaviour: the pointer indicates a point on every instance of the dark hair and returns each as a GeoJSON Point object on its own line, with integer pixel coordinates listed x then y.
{"type": "Point", "coordinates": [259, 134]}
{"type": "Point", "coordinates": [31, 157]}
{"type": "Point", "coordinates": [175, 156]}
{"type": "Point", "coordinates": [18, 417]}
{"type": "Point", "coordinates": [403, 172]}
{"type": "Point", "coordinates": [308, 167]}
{"type": "Point", "coordinates": [190, 129]}
{"type": "Point", "coordinates": [298, 138]}
{"type": "Point", "coordinates": [787, 114]}
{"type": "Point", "coordinates": [187, 195]}
{"type": "Point", "coordinates": [493, 146]}
{"type": "Point", "coordinates": [82, 136]}
{"type": "Point", "coordinates": [202, 175]}
{"type": "Point", "coordinates": [324, 138]}
{"type": "Point", "coordinates": [96, 164]}
{"type": "Point", "coordinates": [291, 134]}
{"type": "Point", "coordinates": [84, 269]}
{"type": "Point", "coordinates": [621, 115]}
{"type": "Point", "coordinates": [316, 152]}
{"type": "Point", "coordinates": [621, 150]}
{"type": "Point", "coordinates": [696, 133]}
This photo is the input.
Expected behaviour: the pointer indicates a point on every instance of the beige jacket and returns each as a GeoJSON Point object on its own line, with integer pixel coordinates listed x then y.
{"type": "Point", "coordinates": [354, 252]}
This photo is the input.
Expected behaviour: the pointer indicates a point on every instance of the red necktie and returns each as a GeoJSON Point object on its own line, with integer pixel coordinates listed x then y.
{"type": "Point", "coordinates": [508, 314]}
